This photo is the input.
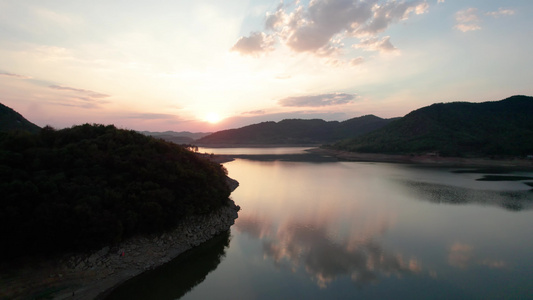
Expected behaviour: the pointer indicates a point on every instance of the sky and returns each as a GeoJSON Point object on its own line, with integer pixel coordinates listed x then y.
{"type": "Point", "coordinates": [204, 66]}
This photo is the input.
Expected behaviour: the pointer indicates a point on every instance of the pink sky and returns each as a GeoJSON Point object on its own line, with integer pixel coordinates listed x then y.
{"type": "Point", "coordinates": [174, 65]}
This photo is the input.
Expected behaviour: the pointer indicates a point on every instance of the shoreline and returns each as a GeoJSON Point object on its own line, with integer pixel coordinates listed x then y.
{"type": "Point", "coordinates": [428, 160]}
{"type": "Point", "coordinates": [93, 275]}
{"type": "Point", "coordinates": [425, 159]}
{"type": "Point", "coordinates": [229, 145]}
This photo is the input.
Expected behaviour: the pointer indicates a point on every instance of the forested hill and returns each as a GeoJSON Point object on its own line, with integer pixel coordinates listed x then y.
{"type": "Point", "coordinates": [93, 185]}
{"type": "Point", "coordinates": [183, 137]}
{"type": "Point", "coordinates": [456, 129]}
{"type": "Point", "coordinates": [12, 120]}
{"type": "Point", "coordinates": [295, 131]}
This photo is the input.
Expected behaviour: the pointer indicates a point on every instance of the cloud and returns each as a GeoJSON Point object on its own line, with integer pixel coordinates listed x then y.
{"type": "Point", "coordinates": [14, 75]}
{"type": "Point", "coordinates": [375, 44]}
{"type": "Point", "coordinates": [467, 20]}
{"type": "Point", "coordinates": [79, 104]}
{"type": "Point", "coordinates": [283, 76]}
{"type": "Point", "coordinates": [255, 44]}
{"type": "Point", "coordinates": [151, 116]}
{"type": "Point", "coordinates": [391, 12]}
{"type": "Point", "coordinates": [501, 12]}
{"type": "Point", "coordinates": [89, 99]}
{"type": "Point", "coordinates": [314, 30]}
{"type": "Point", "coordinates": [322, 26]}
{"type": "Point", "coordinates": [87, 92]}
{"type": "Point", "coordinates": [357, 61]}
{"type": "Point", "coordinates": [276, 19]}
{"type": "Point", "coordinates": [79, 97]}
{"type": "Point", "coordinates": [254, 112]}
{"type": "Point", "coordinates": [317, 100]}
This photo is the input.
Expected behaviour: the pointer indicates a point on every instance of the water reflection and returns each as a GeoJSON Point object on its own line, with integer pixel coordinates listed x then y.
{"type": "Point", "coordinates": [302, 157]}
{"type": "Point", "coordinates": [178, 277]}
{"type": "Point", "coordinates": [310, 246]}
{"type": "Point", "coordinates": [255, 150]}
{"type": "Point", "coordinates": [438, 193]}
{"type": "Point", "coordinates": [366, 230]}
{"type": "Point", "coordinates": [462, 256]}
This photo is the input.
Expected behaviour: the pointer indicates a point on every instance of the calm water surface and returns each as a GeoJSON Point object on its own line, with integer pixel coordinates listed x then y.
{"type": "Point", "coordinates": [343, 230]}
{"type": "Point", "coordinates": [255, 150]}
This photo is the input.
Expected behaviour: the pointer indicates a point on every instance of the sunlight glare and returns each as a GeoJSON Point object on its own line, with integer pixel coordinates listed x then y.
{"type": "Point", "coordinates": [212, 117]}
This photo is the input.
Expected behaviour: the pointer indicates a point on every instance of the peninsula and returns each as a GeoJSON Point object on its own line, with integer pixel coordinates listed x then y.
{"type": "Point", "coordinates": [86, 207]}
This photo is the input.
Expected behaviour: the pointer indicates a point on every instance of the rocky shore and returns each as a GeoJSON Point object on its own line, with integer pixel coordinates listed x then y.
{"type": "Point", "coordinates": [90, 275]}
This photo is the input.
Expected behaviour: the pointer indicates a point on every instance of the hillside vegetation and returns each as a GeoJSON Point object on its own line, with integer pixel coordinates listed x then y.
{"type": "Point", "coordinates": [295, 131]}
{"type": "Point", "coordinates": [12, 120]}
{"type": "Point", "coordinates": [182, 137]}
{"type": "Point", "coordinates": [496, 128]}
{"type": "Point", "coordinates": [93, 185]}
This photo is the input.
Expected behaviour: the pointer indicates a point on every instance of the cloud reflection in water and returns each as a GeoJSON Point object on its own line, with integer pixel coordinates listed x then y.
{"type": "Point", "coordinates": [461, 255]}
{"type": "Point", "coordinates": [308, 244]}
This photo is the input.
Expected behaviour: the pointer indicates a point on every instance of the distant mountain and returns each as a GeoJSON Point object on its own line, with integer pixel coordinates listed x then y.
{"type": "Point", "coordinates": [295, 132]}
{"type": "Point", "coordinates": [12, 120]}
{"type": "Point", "coordinates": [455, 129]}
{"type": "Point", "coordinates": [183, 137]}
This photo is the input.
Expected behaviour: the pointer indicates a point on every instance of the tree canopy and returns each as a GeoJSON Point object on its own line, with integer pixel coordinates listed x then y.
{"type": "Point", "coordinates": [82, 187]}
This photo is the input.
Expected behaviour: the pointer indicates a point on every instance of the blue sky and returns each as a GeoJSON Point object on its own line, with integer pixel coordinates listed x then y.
{"type": "Point", "coordinates": [212, 65]}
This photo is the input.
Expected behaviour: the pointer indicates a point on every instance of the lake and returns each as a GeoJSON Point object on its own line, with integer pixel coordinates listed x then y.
{"type": "Point", "coordinates": [316, 228]}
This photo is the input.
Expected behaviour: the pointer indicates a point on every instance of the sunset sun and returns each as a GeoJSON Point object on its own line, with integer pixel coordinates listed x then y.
{"type": "Point", "coordinates": [212, 117]}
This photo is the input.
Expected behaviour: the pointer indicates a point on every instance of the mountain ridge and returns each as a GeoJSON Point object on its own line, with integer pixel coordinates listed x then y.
{"type": "Point", "coordinates": [295, 131]}
{"type": "Point", "coordinates": [502, 127]}
{"type": "Point", "coordinates": [182, 137]}
{"type": "Point", "coordinates": [12, 120]}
